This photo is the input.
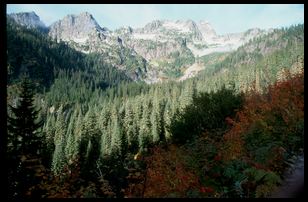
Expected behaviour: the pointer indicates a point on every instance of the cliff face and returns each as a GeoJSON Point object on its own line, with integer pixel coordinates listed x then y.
{"type": "Point", "coordinates": [78, 28]}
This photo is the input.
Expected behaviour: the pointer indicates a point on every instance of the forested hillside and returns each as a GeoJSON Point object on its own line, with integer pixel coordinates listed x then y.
{"type": "Point", "coordinates": [32, 51]}
{"type": "Point", "coordinates": [209, 136]}
{"type": "Point", "coordinates": [262, 60]}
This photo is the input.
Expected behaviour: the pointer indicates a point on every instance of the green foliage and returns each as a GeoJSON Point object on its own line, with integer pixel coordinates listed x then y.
{"type": "Point", "coordinates": [265, 181]}
{"type": "Point", "coordinates": [93, 112]}
{"type": "Point", "coordinates": [145, 125]}
{"type": "Point", "coordinates": [71, 148]}
{"type": "Point", "coordinates": [24, 141]}
{"type": "Point", "coordinates": [23, 126]}
{"type": "Point", "coordinates": [59, 159]}
{"type": "Point", "coordinates": [233, 170]}
{"type": "Point", "coordinates": [207, 112]}
{"type": "Point", "coordinates": [89, 149]}
{"type": "Point", "coordinates": [260, 142]}
{"type": "Point", "coordinates": [260, 59]}
{"type": "Point", "coordinates": [173, 72]}
{"type": "Point", "coordinates": [33, 52]}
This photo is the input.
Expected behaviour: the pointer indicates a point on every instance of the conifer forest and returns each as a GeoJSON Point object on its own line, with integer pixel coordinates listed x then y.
{"type": "Point", "coordinates": [91, 125]}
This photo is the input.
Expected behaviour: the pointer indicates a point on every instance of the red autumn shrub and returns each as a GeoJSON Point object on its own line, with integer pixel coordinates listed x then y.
{"type": "Point", "coordinates": [167, 174]}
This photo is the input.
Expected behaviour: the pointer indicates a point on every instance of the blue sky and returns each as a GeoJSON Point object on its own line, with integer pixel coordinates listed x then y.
{"type": "Point", "coordinates": [225, 18]}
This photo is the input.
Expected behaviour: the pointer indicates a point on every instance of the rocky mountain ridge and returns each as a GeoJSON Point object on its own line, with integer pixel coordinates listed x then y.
{"type": "Point", "coordinates": [28, 19]}
{"type": "Point", "coordinates": [160, 49]}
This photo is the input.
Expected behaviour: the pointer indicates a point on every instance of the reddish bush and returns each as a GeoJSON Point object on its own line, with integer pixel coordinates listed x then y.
{"type": "Point", "coordinates": [167, 174]}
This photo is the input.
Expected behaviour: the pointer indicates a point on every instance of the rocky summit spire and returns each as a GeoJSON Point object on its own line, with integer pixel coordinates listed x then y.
{"type": "Point", "coordinates": [206, 29]}
{"type": "Point", "coordinates": [77, 28]}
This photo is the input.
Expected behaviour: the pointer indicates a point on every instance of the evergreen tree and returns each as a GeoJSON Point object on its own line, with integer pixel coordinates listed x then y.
{"type": "Point", "coordinates": [130, 128]}
{"type": "Point", "coordinates": [24, 136]}
{"type": "Point", "coordinates": [156, 115]}
{"type": "Point", "coordinates": [71, 148]}
{"type": "Point", "coordinates": [116, 133]}
{"type": "Point", "coordinates": [104, 120]}
{"type": "Point", "coordinates": [78, 126]}
{"type": "Point", "coordinates": [89, 146]}
{"type": "Point", "coordinates": [187, 95]}
{"type": "Point", "coordinates": [48, 133]}
{"type": "Point", "coordinates": [167, 120]}
{"type": "Point", "coordinates": [59, 159]}
{"type": "Point", "coordinates": [145, 125]}
{"type": "Point", "coordinates": [24, 140]}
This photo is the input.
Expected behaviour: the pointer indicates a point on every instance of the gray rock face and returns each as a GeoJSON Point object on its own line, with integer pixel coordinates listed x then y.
{"type": "Point", "coordinates": [207, 30]}
{"type": "Point", "coordinates": [155, 42]}
{"type": "Point", "coordinates": [157, 51]}
{"type": "Point", "coordinates": [28, 19]}
{"type": "Point", "coordinates": [166, 29]}
{"type": "Point", "coordinates": [124, 30]}
{"type": "Point", "coordinates": [78, 28]}
{"type": "Point", "coordinates": [201, 37]}
{"type": "Point", "coordinates": [153, 26]}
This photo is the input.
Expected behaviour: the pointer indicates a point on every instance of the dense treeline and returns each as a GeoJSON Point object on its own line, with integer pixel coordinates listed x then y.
{"type": "Point", "coordinates": [234, 159]}
{"type": "Point", "coordinates": [261, 61]}
{"type": "Point", "coordinates": [207, 112]}
{"type": "Point", "coordinates": [32, 51]}
{"type": "Point", "coordinates": [95, 120]}
{"type": "Point", "coordinates": [246, 161]}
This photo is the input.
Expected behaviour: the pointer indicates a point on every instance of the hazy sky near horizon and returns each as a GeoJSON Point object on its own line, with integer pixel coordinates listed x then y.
{"type": "Point", "coordinates": [225, 18]}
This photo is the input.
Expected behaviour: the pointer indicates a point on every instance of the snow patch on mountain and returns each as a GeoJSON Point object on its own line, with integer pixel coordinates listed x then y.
{"type": "Point", "coordinates": [178, 25]}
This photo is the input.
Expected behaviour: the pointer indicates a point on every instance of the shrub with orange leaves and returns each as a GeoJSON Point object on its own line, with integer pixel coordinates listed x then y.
{"type": "Point", "coordinates": [167, 175]}
{"type": "Point", "coordinates": [278, 115]}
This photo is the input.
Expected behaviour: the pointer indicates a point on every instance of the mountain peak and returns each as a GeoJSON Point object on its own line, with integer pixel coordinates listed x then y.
{"type": "Point", "coordinates": [83, 17]}
{"type": "Point", "coordinates": [28, 19]}
{"type": "Point", "coordinates": [85, 14]}
{"type": "Point", "coordinates": [204, 22]}
{"type": "Point", "coordinates": [206, 29]}
{"type": "Point", "coordinates": [77, 28]}
{"type": "Point", "coordinates": [152, 26]}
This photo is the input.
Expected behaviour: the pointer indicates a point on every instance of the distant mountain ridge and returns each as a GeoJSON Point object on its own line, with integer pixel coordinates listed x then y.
{"type": "Point", "coordinates": [160, 49]}
{"type": "Point", "coordinates": [28, 19]}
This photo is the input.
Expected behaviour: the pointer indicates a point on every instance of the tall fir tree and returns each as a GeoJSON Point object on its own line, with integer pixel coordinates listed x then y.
{"type": "Point", "coordinates": [145, 125]}
{"type": "Point", "coordinates": [116, 132]}
{"type": "Point", "coordinates": [24, 141]}
{"type": "Point", "coordinates": [89, 146]}
{"type": "Point", "coordinates": [59, 159]}
{"type": "Point", "coordinates": [23, 126]}
{"type": "Point", "coordinates": [104, 120]}
{"type": "Point", "coordinates": [71, 147]}
{"type": "Point", "coordinates": [167, 120]}
{"type": "Point", "coordinates": [129, 126]}
{"type": "Point", "coordinates": [156, 115]}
